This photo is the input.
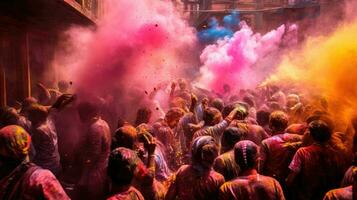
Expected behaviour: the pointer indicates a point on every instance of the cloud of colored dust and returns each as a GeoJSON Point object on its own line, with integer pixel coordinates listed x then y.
{"type": "Point", "coordinates": [242, 61]}
{"type": "Point", "coordinates": [134, 47]}
{"type": "Point", "coordinates": [326, 66]}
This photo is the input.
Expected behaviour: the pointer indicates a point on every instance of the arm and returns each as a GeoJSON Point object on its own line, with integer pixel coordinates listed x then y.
{"type": "Point", "coordinates": [44, 91]}
{"type": "Point", "coordinates": [263, 157]}
{"type": "Point", "coordinates": [172, 92]}
{"type": "Point", "coordinates": [291, 177]}
{"type": "Point", "coordinates": [172, 191]}
{"type": "Point", "coordinates": [194, 101]}
{"type": "Point", "coordinates": [151, 154]}
{"type": "Point", "coordinates": [224, 193]}
{"type": "Point", "coordinates": [279, 191]}
{"type": "Point", "coordinates": [295, 167]}
{"type": "Point", "coordinates": [219, 128]}
{"type": "Point", "coordinates": [232, 115]}
{"type": "Point", "coordinates": [218, 166]}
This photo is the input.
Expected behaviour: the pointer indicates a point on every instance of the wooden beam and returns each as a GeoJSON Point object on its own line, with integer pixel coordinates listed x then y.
{"type": "Point", "coordinates": [2, 87]}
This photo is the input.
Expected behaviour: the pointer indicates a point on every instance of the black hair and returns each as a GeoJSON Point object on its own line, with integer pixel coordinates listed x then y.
{"type": "Point", "coordinates": [278, 121]}
{"type": "Point", "coordinates": [231, 136]}
{"type": "Point", "coordinates": [320, 131]}
{"type": "Point", "coordinates": [263, 117]}
{"type": "Point", "coordinates": [121, 165]}
{"type": "Point", "coordinates": [246, 154]}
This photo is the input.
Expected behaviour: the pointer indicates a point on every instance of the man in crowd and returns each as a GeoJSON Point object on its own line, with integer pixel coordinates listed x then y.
{"type": "Point", "coordinates": [95, 151]}
{"type": "Point", "coordinates": [197, 180]}
{"type": "Point", "coordinates": [250, 184]}
{"type": "Point", "coordinates": [44, 138]}
{"type": "Point", "coordinates": [315, 169]}
{"type": "Point", "coordinates": [225, 163]}
{"type": "Point", "coordinates": [278, 150]}
{"type": "Point", "coordinates": [19, 178]}
{"type": "Point", "coordinates": [121, 170]}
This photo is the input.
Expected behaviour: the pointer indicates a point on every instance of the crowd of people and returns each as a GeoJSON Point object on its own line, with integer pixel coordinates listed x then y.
{"type": "Point", "coordinates": [274, 142]}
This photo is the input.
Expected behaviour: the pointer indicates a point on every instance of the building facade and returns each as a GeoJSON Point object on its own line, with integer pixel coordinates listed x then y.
{"type": "Point", "coordinates": [261, 15]}
{"type": "Point", "coordinates": [29, 34]}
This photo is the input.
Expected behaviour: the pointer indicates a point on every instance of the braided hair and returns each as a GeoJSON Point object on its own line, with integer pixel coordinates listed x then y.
{"type": "Point", "coordinates": [246, 154]}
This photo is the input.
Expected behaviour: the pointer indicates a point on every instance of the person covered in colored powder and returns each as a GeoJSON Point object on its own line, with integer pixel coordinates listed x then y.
{"type": "Point", "coordinates": [95, 152]}
{"type": "Point", "coordinates": [250, 184]}
{"type": "Point", "coordinates": [316, 165]}
{"type": "Point", "coordinates": [44, 138]}
{"type": "Point", "coordinates": [20, 178]}
{"type": "Point", "coordinates": [225, 163]}
{"type": "Point", "coordinates": [121, 170]}
{"type": "Point", "coordinates": [197, 180]}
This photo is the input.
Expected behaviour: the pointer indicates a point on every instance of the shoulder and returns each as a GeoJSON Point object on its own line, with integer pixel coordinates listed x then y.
{"type": "Point", "coordinates": [292, 137]}
{"type": "Point", "coordinates": [256, 127]}
{"type": "Point", "coordinates": [217, 176]}
{"type": "Point", "coordinates": [304, 150]}
{"type": "Point", "coordinates": [269, 140]}
{"type": "Point", "coordinates": [268, 179]}
{"type": "Point", "coordinates": [44, 182]}
{"type": "Point", "coordinates": [100, 123]}
{"type": "Point", "coordinates": [184, 168]}
{"type": "Point", "coordinates": [132, 194]}
{"type": "Point", "coordinates": [237, 182]}
{"type": "Point", "coordinates": [42, 176]}
{"type": "Point", "coordinates": [341, 193]}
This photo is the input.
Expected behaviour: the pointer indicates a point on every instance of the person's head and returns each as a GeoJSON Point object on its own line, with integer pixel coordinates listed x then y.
{"type": "Point", "coordinates": [226, 88]}
{"type": "Point", "coordinates": [63, 86]}
{"type": "Point", "coordinates": [37, 114]}
{"type": "Point", "coordinates": [126, 136]}
{"type": "Point", "coordinates": [189, 123]}
{"type": "Point", "coordinates": [230, 137]}
{"type": "Point", "coordinates": [87, 111]}
{"type": "Point", "coordinates": [246, 155]}
{"type": "Point", "coordinates": [317, 115]}
{"type": "Point", "coordinates": [173, 116]}
{"type": "Point", "coordinates": [218, 104]}
{"type": "Point", "coordinates": [8, 116]}
{"type": "Point", "coordinates": [249, 99]}
{"type": "Point", "coordinates": [179, 102]}
{"type": "Point", "coordinates": [274, 106]}
{"type": "Point", "coordinates": [26, 104]}
{"type": "Point", "coordinates": [143, 116]}
{"type": "Point", "coordinates": [204, 152]}
{"type": "Point", "coordinates": [182, 84]}
{"type": "Point", "coordinates": [242, 112]}
{"type": "Point", "coordinates": [263, 117]}
{"type": "Point", "coordinates": [227, 109]}
{"type": "Point", "coordinates": [14, 144]}
{"type": "Point", "coordinates": [122, 165]}
{"type": "Point", "coordinates": [211, 116]}
{"type": "Point", "coordinates": [292, 100]}
{"type": "Point", "coordinates": [278, 121]}
{"type": "Point", "coordinates": [320, 131]}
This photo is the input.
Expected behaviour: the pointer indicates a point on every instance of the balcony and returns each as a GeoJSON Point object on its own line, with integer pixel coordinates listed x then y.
{"type": "Point", "coordinates": [89, 8]}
